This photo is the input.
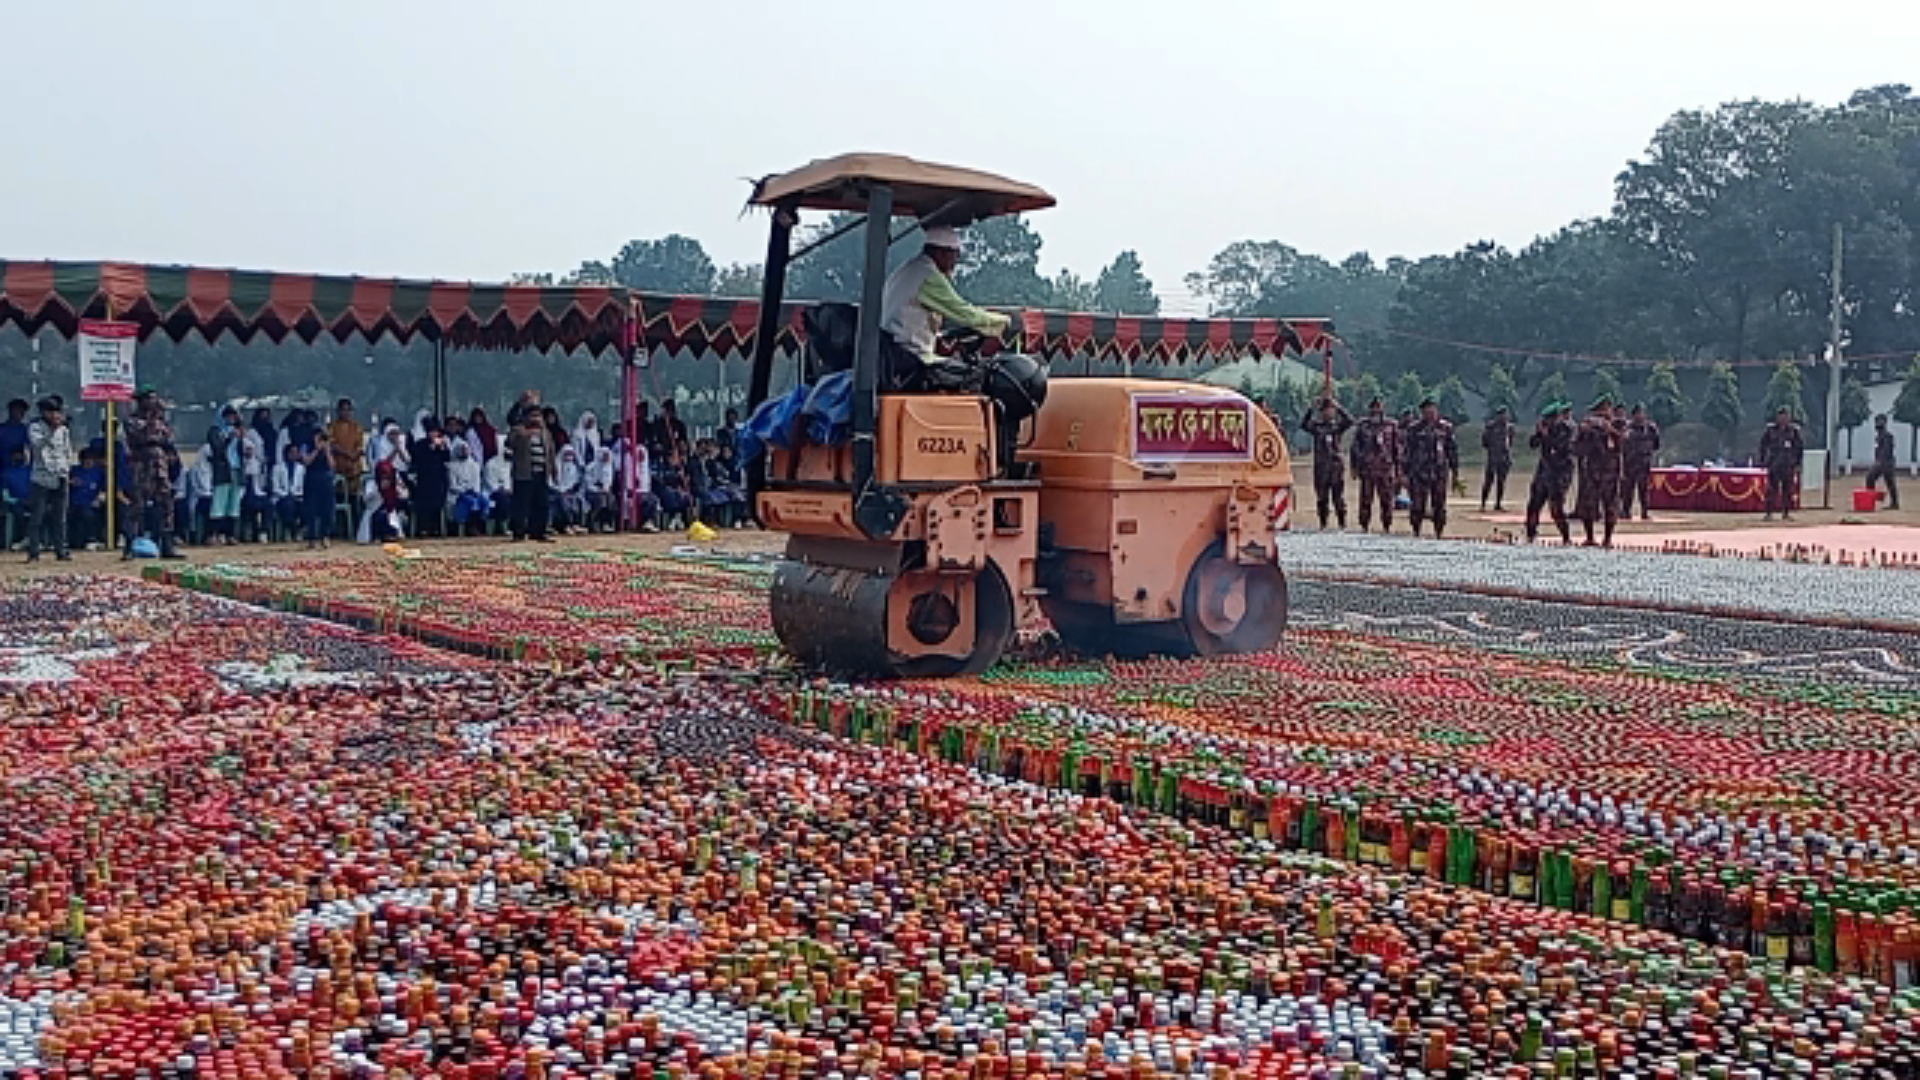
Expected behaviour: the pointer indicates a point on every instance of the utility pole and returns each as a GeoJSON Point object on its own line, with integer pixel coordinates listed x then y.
{"type": "Point", "coordinates": [1834, 363]}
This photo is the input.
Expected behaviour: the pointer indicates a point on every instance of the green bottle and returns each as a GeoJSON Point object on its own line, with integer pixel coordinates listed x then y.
{"type": "Point", "coordinates": [1825, 948]}
{"type": "Point", "coordinates": [1530, 1038]}
{"type": "Point", "coordinates": [1602, 891]}
{"type": "Point", "coordinates": [1468, 854]}
{"type": "Point", "coordinates": [1639, 895]}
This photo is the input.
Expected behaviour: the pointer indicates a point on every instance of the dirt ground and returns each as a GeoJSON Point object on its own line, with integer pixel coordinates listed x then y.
{"type": "Point", "coordinates": [1465, 520]}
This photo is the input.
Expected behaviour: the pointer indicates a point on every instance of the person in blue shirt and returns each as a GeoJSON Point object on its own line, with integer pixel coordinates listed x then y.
{"type": "Point", "coordinates": [13, 433]}
{"type": "Point", "coordinates": [16, 479]}
{"type": "Point", "coordinates": [88, 493]}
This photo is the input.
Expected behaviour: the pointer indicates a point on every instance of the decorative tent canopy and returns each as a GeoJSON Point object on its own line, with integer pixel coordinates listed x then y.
{"type": "Point", "coordinates": [725, 325]}
{"type": "Point", "coordinates": [177, 300]}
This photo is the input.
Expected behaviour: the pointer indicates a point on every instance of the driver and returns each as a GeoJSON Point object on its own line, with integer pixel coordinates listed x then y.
{"type": "Point", "coordinates": [920, 295]}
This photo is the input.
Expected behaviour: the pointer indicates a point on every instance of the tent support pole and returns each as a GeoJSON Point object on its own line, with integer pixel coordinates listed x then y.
{"type": "Point", "coordinates": [439, 377]}
{"type": "Point", "coordinates": [629, 420]}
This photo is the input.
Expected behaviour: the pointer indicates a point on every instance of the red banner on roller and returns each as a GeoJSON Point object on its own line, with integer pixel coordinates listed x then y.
{"type": "Point", "coordinates": [1181, 427]}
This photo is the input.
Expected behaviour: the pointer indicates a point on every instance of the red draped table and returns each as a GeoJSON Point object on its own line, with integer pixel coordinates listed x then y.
{"type": "Point", "coordinates": [1713, 490]}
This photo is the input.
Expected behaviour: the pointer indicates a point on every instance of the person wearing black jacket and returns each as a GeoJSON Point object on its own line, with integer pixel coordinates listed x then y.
{"type": "Point", "coordinates": [1883, 461]}
{"type": "Point", "coordinates": [430, 454]}
{"type": "Point", "coordinates": [1781, 448]}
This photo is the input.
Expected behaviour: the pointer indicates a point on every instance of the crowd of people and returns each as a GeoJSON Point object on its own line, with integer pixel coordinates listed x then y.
{"type": "Point", "coordinates": [258, 479]}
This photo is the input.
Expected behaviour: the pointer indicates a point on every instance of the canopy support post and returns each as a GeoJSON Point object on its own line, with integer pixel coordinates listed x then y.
{"type": "Point", "coordinates": [439, 378]}
{"type": "Point", "coordinates": [629, 421]}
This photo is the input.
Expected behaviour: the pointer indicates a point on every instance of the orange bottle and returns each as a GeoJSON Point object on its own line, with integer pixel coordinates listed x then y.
{"type": "Point", "coordinates": [1336, 835]}
{"type": "Point", "coordinates": [1847, 942]}
{"type": "Point", "coordinates": [1903, 953]}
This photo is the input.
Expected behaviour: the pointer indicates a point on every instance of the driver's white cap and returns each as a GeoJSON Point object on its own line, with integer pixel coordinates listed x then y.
{"type": "Point", "coordinates": [941, 236]}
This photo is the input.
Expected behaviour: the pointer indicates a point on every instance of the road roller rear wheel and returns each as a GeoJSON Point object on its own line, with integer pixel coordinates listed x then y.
{"type": "Point", "coordinates": [1233, 607]}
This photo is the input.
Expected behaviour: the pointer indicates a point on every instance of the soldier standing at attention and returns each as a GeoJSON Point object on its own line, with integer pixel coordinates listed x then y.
{"type": "Point", "coordinates": [1433, 460]}
{"type": "Point", "coordinates": [1883, 461]}
{"type": "Point", "coordinates": [1781, 448]}
{"type": "Point", "coordinates": [1553, 437]}
{"type": "Point", "coordinates": [1327, 425]}
{"type": "Point", "coordinates": [149, 450]}
{"type": "Point", "coordinates": [1597, 449]}
{"type": "Point", "coordinates": [1642, 442]}
{"type": "Point", "coordinates": [1497, 441]}
{"type": "Point", "coordinates": [1377, 454]}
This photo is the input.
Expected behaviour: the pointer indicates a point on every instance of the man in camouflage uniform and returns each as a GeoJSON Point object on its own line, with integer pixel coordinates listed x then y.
{"type": "Point", "coordinates": [1642, 442]}
{"type": "Point", "coordinates": [1327, 425]}
{"type": "Point", "coordinates": [1553, 437]}
{"type": "Point", "coordinates": [1596, 446]}
{"type": "Point", "coordinates": [1781, 447]}
{"type": "Point", "coordinates": [149, 443]}
{"type": "Point", "coordinates": [1433, 460]}
{"type": "Point", "coordinates": [1377, 456]}
{"type": "Point", "coordinates": [1497, 440]}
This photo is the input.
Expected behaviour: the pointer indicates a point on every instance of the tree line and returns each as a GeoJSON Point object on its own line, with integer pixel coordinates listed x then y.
{"type": "Point", "coordinates": [1716, 256]}
{"type": "Point", "coordinates": [999, 265]}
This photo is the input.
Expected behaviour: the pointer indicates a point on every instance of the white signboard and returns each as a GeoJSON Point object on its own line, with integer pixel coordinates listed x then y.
{"type": "Point", "coordinates": [106, 359]}
{"type": "Point", "coordinates": [1813, 470]}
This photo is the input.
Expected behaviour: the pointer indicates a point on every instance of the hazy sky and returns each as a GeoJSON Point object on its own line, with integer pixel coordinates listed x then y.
{"type": "Point", "coordinates": [472, 139]}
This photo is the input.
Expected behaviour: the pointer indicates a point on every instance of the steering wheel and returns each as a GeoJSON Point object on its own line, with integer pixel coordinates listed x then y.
{"type": "Point", "coordinates": [962, 342]}
{"type": "Point", "coordinates": [966, 343]}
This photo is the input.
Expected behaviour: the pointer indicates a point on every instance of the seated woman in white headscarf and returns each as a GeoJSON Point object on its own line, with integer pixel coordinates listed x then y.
{"type": "Point", "coordinates": [497, 478]}
{"type": "Point", "coordinates": [599, 494]}
{"type": "Point", "coordinates": [385, 493]}
{"type": "Point", "coordinates": [467, 505]}
{"type": "Point", "coordinates": [256, 502]}
{"type": "Point", "coordinates": [289, 487]}
{"type": "Point", "coordinates": [587, 438]}
{"type": "Point", "coordinates": [569, 493]}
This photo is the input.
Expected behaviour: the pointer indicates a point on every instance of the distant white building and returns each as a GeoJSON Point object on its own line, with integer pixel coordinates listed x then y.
{"type": "Point", "coordinates": [1880, 398]}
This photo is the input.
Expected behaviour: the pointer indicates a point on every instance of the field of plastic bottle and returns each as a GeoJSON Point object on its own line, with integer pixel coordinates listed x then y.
{"type": "Point", "coordinates": [571, 815]}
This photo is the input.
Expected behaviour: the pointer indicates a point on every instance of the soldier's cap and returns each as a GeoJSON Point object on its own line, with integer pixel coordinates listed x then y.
{"type": "Point", "coordinates": [1555, 408]}
{"type": "Point", "coordinates": [1376, 401]}
{"type": "Point", "coordinates": [1424, 402]}
{"type": "Point", "coordinates": [1604, 401]}
{"type": "Point", "coordinates": [145, 392]}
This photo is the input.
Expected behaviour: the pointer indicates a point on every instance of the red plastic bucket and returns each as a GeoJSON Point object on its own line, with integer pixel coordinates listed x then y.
{"type": "Point", "coordinates": [1865, 502]}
